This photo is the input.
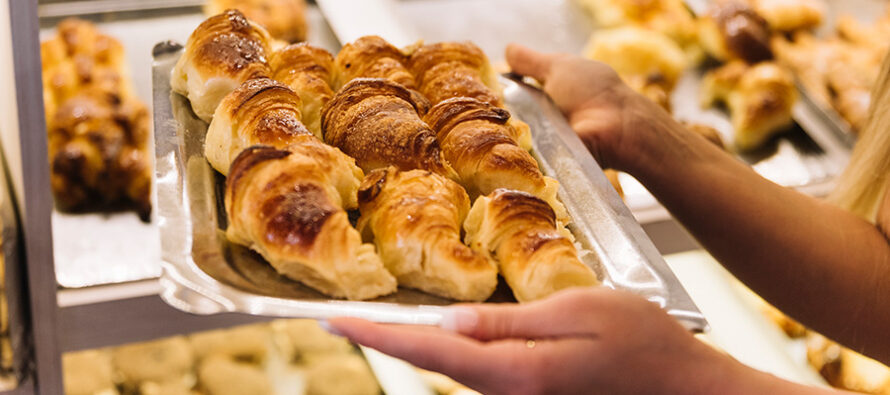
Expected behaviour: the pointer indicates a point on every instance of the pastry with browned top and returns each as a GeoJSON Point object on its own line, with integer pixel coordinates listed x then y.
{"type": "Point", "coordinates": [415, 220]}
{"type": "Point", "coordinates": [260, 112]}
{"type": "Point", "coordinates": [288, 205]}
{"type": "Point", "coordinates": [478, 140]}
{"type": "Point", "coordinates": [309, 72]}
{"type": "Point", "coordinates": [377, 122]}
{"type": "Point", "coordinates": [536, 257]}
{"type": "Point", "coordinates": [284, 19]}
{"type": "Point", "coordinates": [372, 57]}
{"type": "Point", "coordinates": [455, 69]}
{"type": "Point", "coordinates": [733, 30]}
{"type": "Point", "coordinates": [222, 53]}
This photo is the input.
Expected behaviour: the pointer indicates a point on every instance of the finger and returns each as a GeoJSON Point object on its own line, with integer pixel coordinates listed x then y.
{"type": "Point", "coordinates": [528, 62]}
{"type": "Point", "coordinates": [571, 313]}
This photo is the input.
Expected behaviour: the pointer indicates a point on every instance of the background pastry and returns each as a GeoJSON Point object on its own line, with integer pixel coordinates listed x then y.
{"type": "Point", "coordinates": [415, 219]}
{"type": "Point", "coordinates": [284, 19]}
{"type": "Point", "coordinates": [455, 69]}
{"type": "Point", "coordinates": [372, 57]}
{"type": "Point", "coordinates": [731, 29]}
{"type": "Point", "coordinates": [222, 53]}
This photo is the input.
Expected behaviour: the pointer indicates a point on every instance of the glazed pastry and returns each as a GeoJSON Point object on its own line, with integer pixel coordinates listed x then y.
{"type": "Point", "coordinates": [455, 69]}
{"type": "Point", "coordinates": [308, 71]}
{"type": "Point", "coordinates": [376, 122]}
{"type": "Point", "coordinates": [791, 15]}
{"type": "Point", "coordinates": [222, 53]}
{"type": "Point", "coordinates": [288, 205]}
{"type": "Point", "coordinates": [480, 143]}
{"type": "Point", "coordinates": [733, 30]}
{"type": "Point", "coordinates": [285, 20]}
{"type": "Point", "coordinates": [520, 232]}
{"type": "Point", "coordinates": [260, 112]}
{"type": "Point", "coordinates": [372, 57]}
{"type": "Point", "coordinates": [414, 219]}
{"type": "Point", "coordinates": [759, 98]}
{"type": "Point", "coordinates": [648, 61]}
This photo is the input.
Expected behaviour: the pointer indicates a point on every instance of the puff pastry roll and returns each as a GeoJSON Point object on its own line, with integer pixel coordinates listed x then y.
{"type": "Point", "coordinates": [373, 57]}
{"type": "Point", "coordinates": [520, 231]}
{"type": "Point", "coordinates": [480, 143]}
{"type": "Point", "coordinates": [455, 69]}
{"type": "Point", "coordinates": [223, 52]}
{"type": "Point", "coordinates": [308, 71]}
{"type": "Point", "coordinates": [377, 122]}
{"type": "Point", "coordinates": [415, 220]}
{"type": "Point", "coordinates": [260, 112]}
{"type": "Point", "coordinates": [288, 205]}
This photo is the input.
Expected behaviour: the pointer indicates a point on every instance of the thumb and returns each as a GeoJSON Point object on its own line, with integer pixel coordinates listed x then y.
{"type": "Point", "coordinates": [528, 62]}
{"type": "Point", "coordinates": [566, 314]}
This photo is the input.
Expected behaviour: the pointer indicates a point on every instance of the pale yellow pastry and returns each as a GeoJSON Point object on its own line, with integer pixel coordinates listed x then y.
{"type": "Point", "coordinates": [309, 72]}
{"type": "Point", "coordinates": [158, 361]}
{"type": "Point", "coordinates": [415, 220]}
{"type": "Point", "coordinates": [222, 376]}
{"type": "Point", "coordinates": [246, 343]}
{"type": "Point", "coordinates": [88, 373]}
{"type": "Point", "coordinates": [344, 374]}
{"type": "Point", "coordinates": [791, 15]}
{"type": "Point", "coordinates": [303, 339]}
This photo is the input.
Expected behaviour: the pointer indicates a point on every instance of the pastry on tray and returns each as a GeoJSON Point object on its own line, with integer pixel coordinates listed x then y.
{"type": "Point", "coordinates": [309, 71]}
{"type": "Point", "coordinates": [733, 30]}
{"type": "Point", "coordinates": [373, 57]}
{"type": "Point", "coordinates": [285, 20]}
{"type": "Point", "coordinates": [415, 219]}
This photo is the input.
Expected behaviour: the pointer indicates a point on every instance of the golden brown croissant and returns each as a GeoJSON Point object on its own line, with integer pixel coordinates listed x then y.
{"type": "Point", "coordinates": [260, 112]}
{"type": "Point", "coordinates": [376, 122]}
{"type": "Point", "coordinates": [455, 69]}
{"type": "Point", "coordinates": [223, 52]}
{"type": "Point", "coordinates": [480, 143]}
{"type": "Point", "coordinates": [308, 71]}
{"type": "Point", "coordinates": [732, 30]}
{"type": "Point", "coordinates": [791, 15]}
{"type": "Point", "coordinates": [372, 57]}
{"type": "Point", "coordinates": [288, 205]}
{"type": "Point", "coordinates": [759, 98]}
{"type": "Point", "coordinates": [284, 19]}
{"type": "Point", "coordinates": [415, 219]}
{"type": "Point", "coordinates": [535, 257]}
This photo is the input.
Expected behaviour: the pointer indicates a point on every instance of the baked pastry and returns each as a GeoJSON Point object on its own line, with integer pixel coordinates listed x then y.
{"type": "Point", "coordinates": [288, 205]}
{"type": "Point", "coordinates": [159, 361]}
{"type": "Point", "coordinates": [88, 373]}
{"type": "Point", "coordinates": [648, 61]}
{"type": "Point", "coordinates": [222, 53]}
{"type": "Point", "coordinates": [791, 15]}
{"type": "Point", "coordinates": [339, 375]}
{"type": "Point", "coordinates": [98, 154]}
{"type": "Point", "coordinates": [733, 30]}
{"type": "Point", "coordinates": [222, 376]}
{"type": "Point", "coordinates": [372, 57]}
{"type": "Point", "coordinates": [377, 122]}
{"type": "Point", "coordinates": [285, 20]}
{"type": "Point", "coordinates": [260, 112]}
{"type": "Point", "coordinates": [415, 220]}
{"type": "Point", "coordinates": [759, 98]}
{"type": "Point", "coordinates": [480, 143]}
{"type": "Point", "coordinates": [246, 343]}
{"type": "Point", "coordinates": [309, 72]}
{"type": "Point", "coordinates": [455, 69]}
{"type": "Point", "coordinates": [301, 340]}
{"type": "Point", "coordinates": [520, 232]}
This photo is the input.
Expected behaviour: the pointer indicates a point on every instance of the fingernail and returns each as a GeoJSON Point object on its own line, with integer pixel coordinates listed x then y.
{"type": "Point", "coordinates": [324, 324]}
{"type": "Point", "coordinates": [459, 319]}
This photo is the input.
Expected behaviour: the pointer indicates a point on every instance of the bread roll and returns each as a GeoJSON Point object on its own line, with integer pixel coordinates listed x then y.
{"type": "Point", "coordinates": [519, 231]}
{"type": "Point", "coordinates": [415, 219]}
{"type": "Point", "coordinates": [377, 122]}
{"type": "Point", "coordinates": [288, 205]}
{"type": "Point", "coordinates": [260, 112]}
{"type": "Point", "coordinates": [372, 57]}
{"type": "Point", "coordinates": [308, 71]}
{"type": "Point", "coordinates": [222, 53]}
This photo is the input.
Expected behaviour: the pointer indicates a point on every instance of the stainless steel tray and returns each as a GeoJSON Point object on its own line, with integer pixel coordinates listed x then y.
{"type": "Point", "coordinates": [205, 274]}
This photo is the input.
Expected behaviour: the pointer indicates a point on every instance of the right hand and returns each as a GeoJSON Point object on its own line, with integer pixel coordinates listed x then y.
{"type": "Point", "coordinates": [616, 124]}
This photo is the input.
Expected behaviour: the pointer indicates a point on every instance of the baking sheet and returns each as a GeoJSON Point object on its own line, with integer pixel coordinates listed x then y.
{"type": "Point", "coordinates": [205, 274]}
{"type": "Point", "coordinates": [807, 157]}
{"type": "Point", "coordinates": [104, 248]}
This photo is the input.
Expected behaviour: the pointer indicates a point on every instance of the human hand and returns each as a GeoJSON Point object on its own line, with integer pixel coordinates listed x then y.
{"type": "Point", "coordinates": [620, 127]}
{"type": "Point", "coordinates": [575, 342]}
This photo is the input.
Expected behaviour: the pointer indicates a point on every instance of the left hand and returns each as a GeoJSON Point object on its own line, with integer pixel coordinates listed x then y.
{"type": "Point", "coordinates": [576, 342]}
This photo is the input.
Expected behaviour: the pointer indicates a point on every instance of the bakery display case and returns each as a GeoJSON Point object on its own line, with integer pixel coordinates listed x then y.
{"type": "Point", "coordinates": [117, 249]}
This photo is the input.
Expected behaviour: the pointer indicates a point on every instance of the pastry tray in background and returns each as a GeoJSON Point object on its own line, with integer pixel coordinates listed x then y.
{"type": "Point", "coordinates": [205, 274]}
{"type": "Point", "coordinates": [106, 248]}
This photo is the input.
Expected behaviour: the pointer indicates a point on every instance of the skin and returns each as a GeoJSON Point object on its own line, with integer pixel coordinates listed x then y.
{"type": "Point", "coordinates": [822, 265]}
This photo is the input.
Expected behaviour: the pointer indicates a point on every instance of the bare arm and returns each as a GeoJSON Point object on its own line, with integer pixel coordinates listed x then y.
{"type": "Point", "coordinates": [824, 266]}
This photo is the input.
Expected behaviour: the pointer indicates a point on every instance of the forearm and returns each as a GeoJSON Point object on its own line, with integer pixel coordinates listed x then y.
{"type": "Point", "coordinates": [824, 266]}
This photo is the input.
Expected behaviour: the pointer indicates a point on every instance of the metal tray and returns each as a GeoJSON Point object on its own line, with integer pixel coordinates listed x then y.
{"type": "Point", "coordinates": [203, 273]}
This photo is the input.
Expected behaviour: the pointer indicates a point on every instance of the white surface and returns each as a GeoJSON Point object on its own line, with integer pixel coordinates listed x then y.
{"type": "Point", "coordinates": [348, 19]}
{"type": "Point", "coordinates": [737, 326]}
